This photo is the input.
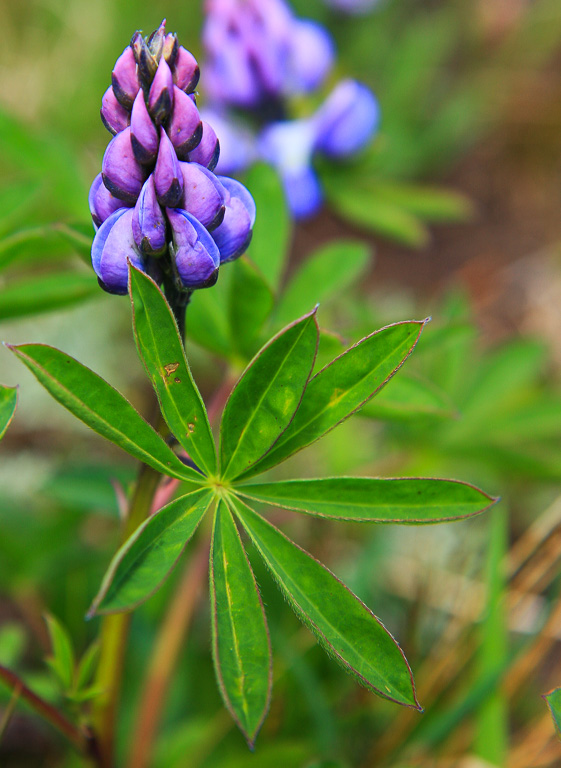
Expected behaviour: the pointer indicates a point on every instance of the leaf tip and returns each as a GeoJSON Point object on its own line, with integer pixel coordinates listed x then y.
{"type": "Point", "coordinates": [427, 319]}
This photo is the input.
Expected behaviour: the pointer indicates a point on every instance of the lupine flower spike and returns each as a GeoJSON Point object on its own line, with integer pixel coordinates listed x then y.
{"type": "Point", "coordinates": [157, 202]}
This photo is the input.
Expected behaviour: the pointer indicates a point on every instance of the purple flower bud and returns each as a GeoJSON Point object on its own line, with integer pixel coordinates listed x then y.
{"type": "Point", "coordinates": [203, 195]}
{"type": "Point", "coordinates": [124, 78]}
{"type": "Point", "coordinates": [160, 97]}
{"type": "Point", "coordinates": [185, 70]}
{"type": "Point", "coordinates": [168, 178]}
{"type": "Point", "coordinates": [311, 56]}
{"type": "Point", "coordinates": [147, 64]}
{"type": "Point", "coordinates": [122, 174]}
{"type": "Point", "coordinates": [156, 41]}
{"type": "Point", "coordinates": [114, 116]}
{"type": "Point", "coordinates": [195, 253]}
{"type": "Point", "coordinates": [144, 134]}
{"type": "Point", "coordinates": [234, 234]}
{"type": "Point", "coordinates": [102, 203]}
{"type": "Point", "coordinates": [171, 50]}
{"type": "Point", "coordinates": [148, 222]}
{"type": "Point", "coordinates": [185, 128]}
{"type": "Point", "coordinates": [207, 151]}
{"type": "Point", "coordinates": [347, 119]}
{"type": "Point", "coordinates": [112, 246]}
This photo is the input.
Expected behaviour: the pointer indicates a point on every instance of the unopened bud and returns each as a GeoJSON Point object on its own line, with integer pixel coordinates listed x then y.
{"type": "Point", "coordinates": [148, 222]}
{"type": "Point", "coordinates": [114, 116]}
{"type": "Point", "coordinates": [144, 134]}
{"type": "Point", "coordinates": [186, 70]}
{"type": "Point", "coordinates": [124, 78]}
{"type": "Point", "coordinates": [160, 97]}
{"type": "Point", "coordinates": [234, 234]}
{"type": "Point", "coordinates": [196, 257]}
{"type": "Point", "coordinates": [203, 195]}
{"type": "Point", "coordinates": [168, 178]}
{"type": "Point", "coordinates": [122, 173]}
{"type": "Point", "coordinates": [207, 151]}
{"type": "Point", "coordinates": [185, 127]}
{"type": "Point", "coordinates": [102, 202]}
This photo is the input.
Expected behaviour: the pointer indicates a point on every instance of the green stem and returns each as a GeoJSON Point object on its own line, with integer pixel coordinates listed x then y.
{"type": "Point", "coordinates": [115, 629]}
{"type": "Point", "coordinates": [82, 740]}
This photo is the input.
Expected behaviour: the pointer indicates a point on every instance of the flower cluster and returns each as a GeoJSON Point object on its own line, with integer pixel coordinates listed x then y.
{"type": "Point", "coordinates": [157, 202]}
{"type": "Point", "coordinates": [259, 55]}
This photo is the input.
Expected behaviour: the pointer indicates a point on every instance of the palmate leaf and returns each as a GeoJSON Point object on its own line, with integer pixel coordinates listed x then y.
{"type": "Point", "coordinates": [272, 231]}
{"type": "Point", "coordinates": [34, 295]}
{"type": "Point", "coordinates": [250, 302]}
{"type": "Point", "coordinates": [411, 500]}
{"type": "Point", "coordinates": [343, 625]}
{"type": "Point", "coordinates": [553, 700]}
{"type": "Point", "coordinates": [241, 646]}
{"type": "Point", "coordinates": [147, 557]}
{"type": "Point", "coordinates": [326, 273]}
{"type": "Point", "coordinates": [265, 398]}
{"type": "Point", "coordinates": [8, 403]}
{"type": "Point", "coordinates": [97, 404]}
{"type": "Point", "coordinates": [161, 350]}
{"type": "Point", "coordinates": [342, 387]}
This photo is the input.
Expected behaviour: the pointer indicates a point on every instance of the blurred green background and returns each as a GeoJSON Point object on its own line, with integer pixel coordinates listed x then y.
{"type": "Point", "coordinates": [470, 92]}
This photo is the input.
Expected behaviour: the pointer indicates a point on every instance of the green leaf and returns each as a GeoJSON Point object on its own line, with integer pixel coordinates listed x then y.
{"type": "Point", "coordinates": [161, 350]}
{"type": "Point", "coordinates": [15, 198]}
{"type": "Point", "coordinates": [553, 700]}
{"type": "Point", "coordinates": [250, 304]}
{"type": "Point", "coordinates": [62, 659]}
{"type": "Point", "coordinates": [343, 625]}
{"type": "Point", "coordinates": [408, 500]}
{"type": "Point", "coordinates": [429, 203]}
{"type": "Point", "coordinates": [326, 273]}
{"type": "Point", "coordinates": [207, 318]}
{"type": "Point", "coordinates": [272, 229]}
{"type": "Point", "coordinates": [102, 408]}
{"type": "Point", "coordinates": [8, 402]}
{"type": "Point", "coordinates": [241, 646]}
{"type": "Point", "coordinates": [406, 398]}
{"type": "Point", "coordinates": [145, 560]}
{"type": "Point", "coordinates": [34, 295]}
{"type": "Point", "coordinates": [342, 387]}
{"type": "Point", "coordinates": [267, 395]}
{"type": "Point", "coordinates": [87, 666]}
{"type": "Point", "coordinates": [370, 210]}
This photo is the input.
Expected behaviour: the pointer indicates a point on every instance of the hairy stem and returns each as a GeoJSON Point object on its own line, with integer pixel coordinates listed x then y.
{"type": "Point", "coordinates": [82, 740]}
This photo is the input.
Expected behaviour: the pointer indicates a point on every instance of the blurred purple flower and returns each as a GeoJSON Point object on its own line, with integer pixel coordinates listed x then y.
{"type": "Point", "coordinates": [157, 200]}
{"type": "Point", "coordinates": [258, 52]}
{"type": "Point", "coordinates": [258, 55]}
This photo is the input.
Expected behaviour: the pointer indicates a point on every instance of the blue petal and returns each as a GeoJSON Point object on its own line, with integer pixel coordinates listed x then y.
{"type": "Point", "coordinates": [112, 248]}
{"type": "Point", "coordinates": [347, 120]}
{"type": "Point", "coordinates": [311, 56]}
{"type": "Point", "coordinates": [196, 255]}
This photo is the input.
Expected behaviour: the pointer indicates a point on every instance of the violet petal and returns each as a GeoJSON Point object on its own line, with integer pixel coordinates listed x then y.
{"type": "Point", "coordinates": [114, 116]}
{"type": "Point", "coordinates": [144, 134]}
{"type": "Point", "coordinates": [207, 151]}
{"type": "Point", "coordinates": [148, 222]}
{"type": "Point", "coordinates": [124, 78]}
{"type": "Point", "coordinates": [196, 255]}
{"type": "Point", "coordinates": [168, 178]}
{"type": "Point", "coordinates": [160, 97]}
{"type": "Point", "coordinates": [102, 203]}
{"type": "Point", "coordinates": [185, 128]}
{"type": "Point", "coordinates": [234, 234]}
{"type": "Point", "coordinates": [347, 120]}
{"type": "Point", "coordinates": [113, 245]}
{"type": "Point", "coordinates": [203, 195]}
{"type": "Point", "coordinates": [186, 70]}
{"type": "Point", "coordinates": [122, 174]}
